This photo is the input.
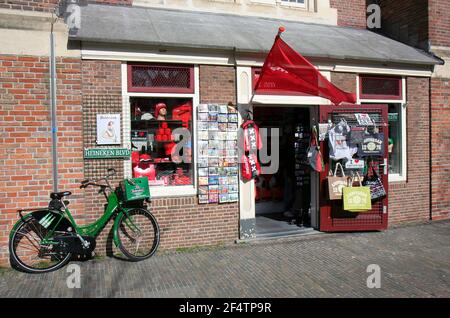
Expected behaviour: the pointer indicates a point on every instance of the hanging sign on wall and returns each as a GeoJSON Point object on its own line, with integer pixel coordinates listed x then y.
{"type": "Point", "coordinates": [105, 153]}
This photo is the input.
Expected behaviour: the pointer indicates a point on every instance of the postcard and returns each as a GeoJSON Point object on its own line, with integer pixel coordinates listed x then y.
{"type": "Point", "coordinates": [222, 118]}
{"type": "Point", "coordinates": [213, 171]}
{"type": "Point", "coordinates": [233, 197]}
{"type": "Point", "coordinates": [223, 109]}
{"type": "Point", "coordinates": [203, 190]}
{"type": "Point", "coordinates": [203, 116]}
{"type": "Point", "coordinates": [202, 163]}
{"type": "Point", "coordinates": [203, 108]}
{"type": "Point", "coordinates": [202, 172]}
{"type": "Point", "coordinates": [203, 199]}
{"type": "Point", "coordinates": [232, 118]}
{"type": "Point", "coordinates": [213, 198]}
{"type": "Point", "coordinates": [213, 108]}
{"type": "Point", "coordinates": [203, 181]}
{"type": "Point", "coordinates": [203, 134]}
{"type": "Point", "coordinates": [213, 180]}
{"type": "Point", "coordinates": [223, 197]}
{"type": "Point", "coordinates": [213, 162]}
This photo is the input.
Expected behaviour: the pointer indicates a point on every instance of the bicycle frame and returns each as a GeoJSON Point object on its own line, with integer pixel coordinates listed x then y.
{"type": "Point", "coordinates": [95, 228]}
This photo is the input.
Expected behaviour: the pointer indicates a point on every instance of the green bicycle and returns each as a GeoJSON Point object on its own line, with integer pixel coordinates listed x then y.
{"type": "Point", "coordinates": [45, 239]}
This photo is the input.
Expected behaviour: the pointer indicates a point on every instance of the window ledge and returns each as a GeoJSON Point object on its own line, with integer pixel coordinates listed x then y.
{"type": "Point", "coordinates": [396, 178]}
{"type": "Point", "coordinates": [292, 4]}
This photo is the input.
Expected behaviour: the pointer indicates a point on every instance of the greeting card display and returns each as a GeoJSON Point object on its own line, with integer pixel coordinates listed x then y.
{"type": "Point", "coordinates": [217, 155]}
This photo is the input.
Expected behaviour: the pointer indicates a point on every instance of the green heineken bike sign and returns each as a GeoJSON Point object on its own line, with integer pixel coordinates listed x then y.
{"type": "Point", "coordinates": [104, 153]}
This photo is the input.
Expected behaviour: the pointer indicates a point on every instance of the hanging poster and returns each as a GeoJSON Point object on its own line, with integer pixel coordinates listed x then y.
{"type": "Point", "coordinates": [108, 129]}
{"type": "Point", "coordinates": [364, 120]}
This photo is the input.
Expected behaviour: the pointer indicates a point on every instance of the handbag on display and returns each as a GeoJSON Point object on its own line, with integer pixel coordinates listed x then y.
{"type": "Point", "coordinates": [372, 145]}
{"type": "Point", "coordinates": [377, 190]}
{"type": "Point", "coordinates": [315, 159]}
{"type": "Point", "coordinates": [336, 183]}
{"type": "Point", "coordinates": [356, 199]}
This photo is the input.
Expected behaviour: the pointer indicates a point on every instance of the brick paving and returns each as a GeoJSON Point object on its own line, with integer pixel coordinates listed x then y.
{"type": "Point", "coordinates": [414, 262]}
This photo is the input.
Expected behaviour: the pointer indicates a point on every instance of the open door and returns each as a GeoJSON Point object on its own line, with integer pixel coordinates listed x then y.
{"type": "Point", "coordinates": [332, 216]}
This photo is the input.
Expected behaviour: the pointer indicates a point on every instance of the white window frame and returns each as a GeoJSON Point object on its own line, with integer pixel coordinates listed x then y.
{"type": "Point", "coordinates": [393, 177]}
{"type": "Point", "coordinates": [161, 191]}
{"type": "Point", "coordinates": [286, 3]}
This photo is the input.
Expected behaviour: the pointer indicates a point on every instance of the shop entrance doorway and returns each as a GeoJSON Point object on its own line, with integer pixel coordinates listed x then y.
{"type": "Point", "coordinates": [284, 199]}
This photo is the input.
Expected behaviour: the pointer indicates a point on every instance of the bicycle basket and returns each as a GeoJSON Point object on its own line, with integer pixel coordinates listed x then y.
{"type": "Point", "coordinates": [138, 191]}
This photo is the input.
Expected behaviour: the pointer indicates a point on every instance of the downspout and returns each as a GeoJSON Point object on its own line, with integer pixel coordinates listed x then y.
{"type": "Point", "coordinates": [430, 131]}
{"type": "Point", "coordinates": [54, 126]}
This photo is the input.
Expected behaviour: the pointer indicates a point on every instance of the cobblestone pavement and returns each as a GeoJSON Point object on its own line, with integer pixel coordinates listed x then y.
{"type": "Point", "coordinates": [414, 262]}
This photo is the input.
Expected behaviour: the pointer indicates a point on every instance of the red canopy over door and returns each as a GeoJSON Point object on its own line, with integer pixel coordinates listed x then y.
{"type": "Point", "coordinates": [332, 217]}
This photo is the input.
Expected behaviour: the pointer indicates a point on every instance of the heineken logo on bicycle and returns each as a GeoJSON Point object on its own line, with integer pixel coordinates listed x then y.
{"type": "Point", "coordinates": [137, 190]}
{"type": "Point", "coordinates": [103, 153]}
{"type": "Point", "coordinates": [47, 220]}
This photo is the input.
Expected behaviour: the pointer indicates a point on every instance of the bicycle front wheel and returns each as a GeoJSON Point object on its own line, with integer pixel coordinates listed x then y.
{"type": "Point", "coordinates": [138, 234]}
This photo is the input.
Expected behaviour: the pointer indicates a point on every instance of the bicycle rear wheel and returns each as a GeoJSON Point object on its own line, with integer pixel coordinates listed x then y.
{"type": "Point", "coordinates": [29, 254]}
{"type": "Point", "coordinates": [138, 234]}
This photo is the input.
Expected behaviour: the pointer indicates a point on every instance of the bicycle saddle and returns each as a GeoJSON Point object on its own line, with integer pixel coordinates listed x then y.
{"type": "Point", "coordinates": [59, 195]}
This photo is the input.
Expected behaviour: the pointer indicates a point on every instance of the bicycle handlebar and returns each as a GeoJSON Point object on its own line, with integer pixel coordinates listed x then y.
{"type": "Point", "coordinates": [85, 183]}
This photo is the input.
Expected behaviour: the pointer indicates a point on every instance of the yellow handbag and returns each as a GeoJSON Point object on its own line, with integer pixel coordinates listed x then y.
{"type": "Point", "coordinates": [357, 199]}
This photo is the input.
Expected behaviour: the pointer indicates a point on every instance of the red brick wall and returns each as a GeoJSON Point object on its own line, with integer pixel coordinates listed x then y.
{"type": "Point", "coordinates": [440, 108]}
{"type": "Point", "coordinates": [25, 136]}
{"type": "Point", "coordinates": [439, 26]}
{"type": "Point", "coordinates": [217, 84]}
{"type": "Point", "coordinates": [405, 21]}
{"type": "Point", "coordinates": [409, 201]}
{"type": "Point", "coordinates": [351, 13]}
{"type": "Point", "coordinates": [48, 5]}
{"type": "Point", "coordinates": [345, 81]}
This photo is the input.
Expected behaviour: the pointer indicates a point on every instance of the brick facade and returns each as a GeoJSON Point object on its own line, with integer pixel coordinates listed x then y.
{"type": "Point", "coordinates": [351, 13]}
{"type": "Point", "coordinates": [405, 21]}
{"type": "Point", "coordinates": [217, 84]}
{"type": "Point", "coordinates": [26, 144]}
{"type": "Point", "coordinates": [345, 81]}
{"type": "Point", "coordinates": [409, 201]}
{"type": "Point", "coordinates": [439, 22]}
{"type": "Point", "coordinates": [440, 143]}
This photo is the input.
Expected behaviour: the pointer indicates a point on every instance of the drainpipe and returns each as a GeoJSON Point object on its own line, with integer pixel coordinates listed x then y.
{"type": "Point", "coordinates": [430, 118]}
{"type": "Point", "coordinates": [52, 64]}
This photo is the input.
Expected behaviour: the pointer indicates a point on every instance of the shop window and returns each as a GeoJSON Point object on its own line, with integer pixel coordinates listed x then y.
{"type": "Point", "coordinates": [160, 78]}
{"type": "Point", "coordinates": [395, 139]}
{"type": "Point", "coordinates": [157, 125]}
{"type": "Point", "coordinates": [372, 87]}
{"type": "Point", "coordinates": [382, 90]}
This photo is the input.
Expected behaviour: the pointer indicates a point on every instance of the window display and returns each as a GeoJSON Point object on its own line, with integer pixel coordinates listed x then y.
{"type": "Point", "coordinates": [155, 125]}
{"type": "Point", "coordinates": [395, 139]}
